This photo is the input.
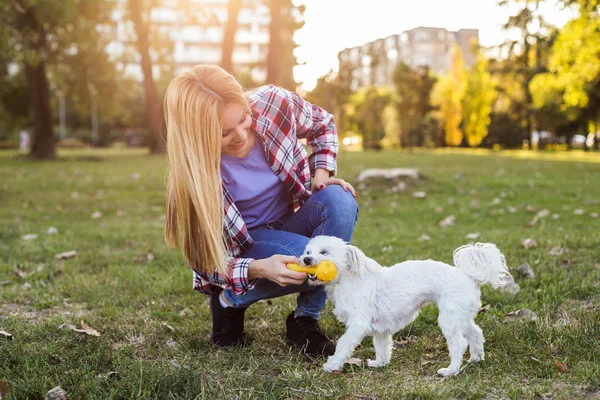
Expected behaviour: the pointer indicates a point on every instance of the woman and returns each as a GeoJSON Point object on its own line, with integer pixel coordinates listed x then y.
{"type": "Point", "coordinates": [241, 202]}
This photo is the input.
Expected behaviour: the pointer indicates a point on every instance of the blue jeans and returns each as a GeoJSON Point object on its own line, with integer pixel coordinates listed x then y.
{"type": "Point", "coordinates": [331, 211]}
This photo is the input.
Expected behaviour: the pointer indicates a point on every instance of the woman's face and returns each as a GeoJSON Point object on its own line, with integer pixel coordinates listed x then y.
{"type": "Point", "coordinates": [238, 140]}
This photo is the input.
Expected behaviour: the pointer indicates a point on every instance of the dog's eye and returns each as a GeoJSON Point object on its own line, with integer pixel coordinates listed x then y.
{"type": "Point", "coordinates": [324, 252]}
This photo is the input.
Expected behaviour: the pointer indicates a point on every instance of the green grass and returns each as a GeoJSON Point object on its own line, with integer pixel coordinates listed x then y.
{"type": "Point", "coordinates": [140, 306]}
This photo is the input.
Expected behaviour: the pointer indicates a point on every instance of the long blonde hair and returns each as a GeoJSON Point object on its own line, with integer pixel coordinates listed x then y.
{"type": "Point", "coordinates": [194, 104]}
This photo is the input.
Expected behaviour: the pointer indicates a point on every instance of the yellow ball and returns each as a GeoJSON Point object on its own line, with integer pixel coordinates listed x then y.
{"type": "Point", "coordinates": [326, 271]}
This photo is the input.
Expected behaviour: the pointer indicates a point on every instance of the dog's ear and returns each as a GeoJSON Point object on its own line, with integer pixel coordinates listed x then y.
{"type": "Point", "coordinates": [356, 260]}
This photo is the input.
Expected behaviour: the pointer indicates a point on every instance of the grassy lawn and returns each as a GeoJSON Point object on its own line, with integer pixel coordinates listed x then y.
{"type": "Point", "coordinates": [153, 344]}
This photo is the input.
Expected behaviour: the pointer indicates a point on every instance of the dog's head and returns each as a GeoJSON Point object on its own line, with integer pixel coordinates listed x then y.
{"type": "Point", "coordinates": [348, 259]}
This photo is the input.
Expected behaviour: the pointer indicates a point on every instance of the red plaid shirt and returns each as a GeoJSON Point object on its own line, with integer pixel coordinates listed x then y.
{"type": "Point", "coordinates": [279, 118]}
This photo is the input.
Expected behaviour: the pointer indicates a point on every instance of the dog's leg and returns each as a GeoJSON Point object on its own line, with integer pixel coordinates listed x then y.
{"type": "Point", "coordinates": [344, 348]}
{"type": "Point", "coordinates": [383, 350]}
{"type": "Point", "coordinates": [457, 344]}
{"type": "Point", "coordinates": [476, 340]}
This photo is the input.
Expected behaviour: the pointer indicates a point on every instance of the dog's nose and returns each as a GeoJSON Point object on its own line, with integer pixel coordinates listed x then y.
{"type": "Point", "coordinates": [307, 260]}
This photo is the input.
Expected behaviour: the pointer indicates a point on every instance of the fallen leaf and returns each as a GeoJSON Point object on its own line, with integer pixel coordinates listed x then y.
{"type": "Point", "coordinates": [2, 283]}
{"type": "Point", "coordinates": [426, 362]}
{"type": "Point", "coordinates": [96, 215]}
{"type": "Point", "coordinates": [511, 287]}
{"type": "Point", "coordinates": [29, 236]}
{"type": "Point", "coordinates": [526, 271]}
{"type": "Point", "coordinates": [448, 221]}
{"type": "Point", "coordinates": [66, 255]}
{"type": "Point", "coordinates": [185, 312]}
{"type": "Point", "coordinates": [169, 327]}
{"type": "Point", "coordinates": [555, 216]}
{"type": "Point", "coordinates": [523, 313]}
{"type": "Point", "coordinates": [557, 251]}
{"type": "Point", "coordinates": [561, 366]}
{"type": "Point", "coordinates": [135, 176]}
{"type": "Point", "coordinates": [594, 215]}
{"type": "Point", "coordinates": [424, 238]}
{"type": "Point", "coordinates": [20, 273]}
{"type": "Point", "coordinates": [74, 195]}
{"type": "Point", "coordinates": [108, 375]}
{"type": "Point", "coordinates": [543, 213]}
{"type": "Point", "coordinates": [171, 343]}
{"type": "Point", "coordinates": [484, 309]}
{"type": "Point", "coordinates": [56, 393]}
{"type": "Point", "coordinates": [495, 201]}
{"type": "Point", "coordinates": [473, 236]}
{"type": "Point", "coordinates": [405, 341]}
{"type": "Point", "coordinates": [149, 256]}
{"type": "Point", "coordinates": [120, 213]}
{"type": "Point", "coordinates": [579, 211]}
{"type": "Point", "coordinates": [511, 210]}
{"type": "Point", "coordinates": [530, 208]}
{"type": "Point", "coordinates": [419, 195]}
{"type": "Point", "coordinates": [4, 388]}
{"type": "Point", "coordinates": [475, 203]}
{"type": "Point", "coordinates": [88, 330]}
{"type": "Point", "coordinates": [529, 243]}
{"type": "Point", "coordinates": [354, 361]}
{"type": "Point", "coordinates": [451, 201]}
{"type": "Point", "coordinates": [533, 221]}
{"type": "Point", "coordinates": [535, 359]}
{"type": "Point", "coordinates": [7, 335]}
{"type": "Point", "coordinates": [439, 210]}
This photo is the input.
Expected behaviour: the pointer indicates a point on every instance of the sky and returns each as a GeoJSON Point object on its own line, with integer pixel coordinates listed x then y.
{"type": "Point", "coordinates": [332, 25]}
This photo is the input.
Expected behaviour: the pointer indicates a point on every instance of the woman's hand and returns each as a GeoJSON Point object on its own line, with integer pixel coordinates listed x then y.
{"type": "Point", "coordinates": [275, 269]}
{"type": "Point", "coordinates": [322, 179]}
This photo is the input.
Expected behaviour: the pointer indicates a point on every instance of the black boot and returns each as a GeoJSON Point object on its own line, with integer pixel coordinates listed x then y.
{"type": "Point", "coordinates": [228, 323]}
{"type": "Point", "coordinates": [305, 333]}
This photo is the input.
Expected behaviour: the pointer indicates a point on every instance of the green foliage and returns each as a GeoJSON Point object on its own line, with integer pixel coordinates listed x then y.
{"type": "Point", "coordinates": [365, 115]}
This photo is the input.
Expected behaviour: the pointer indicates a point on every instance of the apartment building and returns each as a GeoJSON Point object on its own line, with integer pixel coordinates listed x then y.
{"type": "Point", "coordinates": [373, 63]}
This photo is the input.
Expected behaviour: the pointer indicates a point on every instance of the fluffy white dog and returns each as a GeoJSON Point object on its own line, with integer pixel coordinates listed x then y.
{"type": "Point", "coordinates": [375, 301]}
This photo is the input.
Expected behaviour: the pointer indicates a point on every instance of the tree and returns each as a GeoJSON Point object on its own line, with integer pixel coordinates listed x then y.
{"type": "Point", "coordinates": [233, 10]}
{"type": "Point", "coordinates": [365, 115]}
{"type": "Point", "coordinates": [412, 91]}
{"type": "Point", "coordinates": [36, 34]}
{"type": "Point", "coordinates": [448, 95]}
{"type": "Point", "coordinates": [527, 55]}
{"type": "Point", "coordinates": [275, 42]}
{"type": "Point", "coordinates": [140, 11]}
{"type": "Point", "coordinates": [478, 99]}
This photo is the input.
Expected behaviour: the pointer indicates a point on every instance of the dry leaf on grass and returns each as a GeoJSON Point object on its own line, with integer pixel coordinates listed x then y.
{"type": "Point", "coordinates": [473, 236]}
{"type": "Point", "coordinates": [169, 327]}
{"type": "Point", "coordinates": [56, 393]}
{"type": "Point", "coordinates": [354, 361]}
{"type": "Point", "coordinates": [594, 215]}
{"type": "Point", "coordinates": [523, 313]}
{"type": "Point", "coordinates": [448, 221]}
{"type": "Point", "coordinates": [484, 309]}
{"type": "Point", "coordinates": [405, 341]}
{"type": "Point", "coordinates": [495, 201]}
{"type": "Point", "coordinates": [29, 236]}
{"type": "Point", "coordinates": [96, 215]}
{"type": "Point", "coordinates": [557, 251]}
{"type": "Point", "coordinates": [88, 330]}
{"type": "Point", "coordinates": [419, 195]}
{"type": "Point", "coordinates": [66, 255]}
{"type": "Point", "coordinates": [135, 176]}
{"type": "Point", "coordinates": [424, 238]}
{"type": "Point", "coordinates": [579, 211]}
{"type": "Point", "coordinates": [511, 210]}
{"type": "Point", "coordinates": [52, 231]}
{"type": "Point", "coordinates": [526, 271]}
{"type": "Point", "coordinates": [561, 366]}
{"type": "Point", "coordinates": [530, 208]}
{"type": "Point", "coordinates": [555, 216]}
{"type": "Point", "coordinates": [7, 335]}
{"type": "Point", "coordinates": [4, 388]}
{"type": "Point", "coordinates": [149, 256]}
{"type": "Point", "coordinates": [120, 213]}
{"type": "Point", "coordinates": [529, 243]}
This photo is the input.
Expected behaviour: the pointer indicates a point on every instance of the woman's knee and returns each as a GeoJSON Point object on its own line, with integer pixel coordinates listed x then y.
{"type": "Point", "coordinates": [336, 200]}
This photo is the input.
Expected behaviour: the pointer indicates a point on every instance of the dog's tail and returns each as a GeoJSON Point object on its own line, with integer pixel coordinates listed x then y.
{"type": "Point", "coordinates": [484, 263]}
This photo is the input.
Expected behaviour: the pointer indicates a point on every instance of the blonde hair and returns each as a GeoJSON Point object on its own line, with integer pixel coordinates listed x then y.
{"type": "Point", "coordinates": [193, 107]}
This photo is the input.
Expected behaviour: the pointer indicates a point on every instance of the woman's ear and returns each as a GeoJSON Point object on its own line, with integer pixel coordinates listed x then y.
{"type": "Point", "coordinates": [356, 260]}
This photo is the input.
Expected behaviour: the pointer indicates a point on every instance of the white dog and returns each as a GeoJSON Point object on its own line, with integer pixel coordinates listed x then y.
{"type": "Point", "coordinates": [375, 301]}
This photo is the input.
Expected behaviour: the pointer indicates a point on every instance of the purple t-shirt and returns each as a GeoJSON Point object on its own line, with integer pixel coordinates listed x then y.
{"type": "Point", "coordinates": [255, 189]}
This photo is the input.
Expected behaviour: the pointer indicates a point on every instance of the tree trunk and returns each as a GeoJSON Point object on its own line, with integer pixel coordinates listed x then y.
{"type": "Point", "coordinates": [157, 143]}
{"type": "Point", "coordinates": [42, 147]}
{"type": "Point", "coordinates": [233, 9]}
{"type": "Point", "coordinates": [273, 58]}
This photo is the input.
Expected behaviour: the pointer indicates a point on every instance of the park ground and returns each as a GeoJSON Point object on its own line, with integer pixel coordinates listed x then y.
{"type": "Point", "coordinates": [126, 284]}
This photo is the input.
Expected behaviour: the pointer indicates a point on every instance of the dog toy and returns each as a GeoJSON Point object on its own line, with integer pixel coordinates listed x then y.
{"type": "Point", "coordinates": [324, 271]}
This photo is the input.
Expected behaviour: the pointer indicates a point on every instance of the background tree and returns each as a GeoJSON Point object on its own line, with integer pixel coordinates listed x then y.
{"type": "Point", "coordinates": [233, 10]}
{"type": "Point", "coordinates": [448, 95]}
{"type": "Point", "coordinates": [365, 115]}
{"type": "Point", "coordinates": [477, 102]}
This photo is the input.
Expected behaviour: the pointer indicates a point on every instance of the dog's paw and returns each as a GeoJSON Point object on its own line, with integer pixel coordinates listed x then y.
{"type": "Point", "coordinates": [332, 366]}
{"type": "Point", "coordinates": [376, 364]}
{"type": "Point", "coordinates": [446, 372]}
{"type": "Point", "coordinates": [476, 358]}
